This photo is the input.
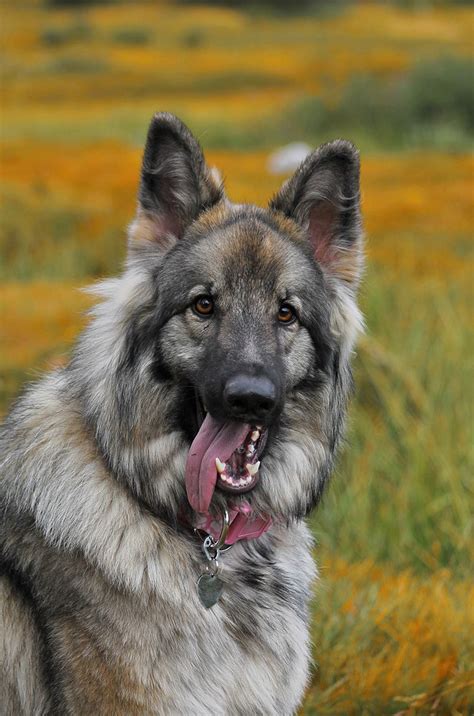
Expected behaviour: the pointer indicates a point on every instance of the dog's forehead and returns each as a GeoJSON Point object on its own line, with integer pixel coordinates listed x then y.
{"type": "Point", "coordinates": [249, 248]}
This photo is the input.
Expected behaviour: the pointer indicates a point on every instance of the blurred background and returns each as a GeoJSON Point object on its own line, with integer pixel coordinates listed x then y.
{"type": "Point", "coordinates": [392, 628]}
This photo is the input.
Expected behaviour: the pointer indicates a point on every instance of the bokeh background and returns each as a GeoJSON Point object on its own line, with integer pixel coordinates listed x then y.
{"type": "Point", "coordinates": [393, 621]}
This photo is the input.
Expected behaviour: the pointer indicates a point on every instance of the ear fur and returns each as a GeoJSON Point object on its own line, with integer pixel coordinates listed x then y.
{"type": "Point", "coordinates": [175, 184]}
{"type": "Point", "coordinates": [323, 197]}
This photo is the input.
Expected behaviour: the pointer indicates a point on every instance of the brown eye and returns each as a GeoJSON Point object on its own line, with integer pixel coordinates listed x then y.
{"type": "Point", "coordinates": [286, 314]}
{"type": "Point", "coordinates": [204, 306]}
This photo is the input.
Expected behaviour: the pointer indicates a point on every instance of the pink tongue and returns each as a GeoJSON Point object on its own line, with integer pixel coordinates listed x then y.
{"type": "Point", "coordinates": [214, 439]}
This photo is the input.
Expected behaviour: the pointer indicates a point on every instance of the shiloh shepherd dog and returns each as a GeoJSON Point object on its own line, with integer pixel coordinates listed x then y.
{"type": "Point", "coordinates": [154, 554]}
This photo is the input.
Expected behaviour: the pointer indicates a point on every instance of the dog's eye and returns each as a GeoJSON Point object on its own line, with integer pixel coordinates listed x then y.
{"type": "Point", "coordinates": [286, 314]}
{"type": "Point", "coordinates": [203, 306]}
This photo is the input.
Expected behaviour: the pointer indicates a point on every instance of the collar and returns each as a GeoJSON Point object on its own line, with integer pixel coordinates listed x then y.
{"type": "Point", "coordinates": [244, 524]}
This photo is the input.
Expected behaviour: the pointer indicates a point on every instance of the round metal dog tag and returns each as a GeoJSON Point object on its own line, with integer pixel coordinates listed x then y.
{"type": "Point", "coordinates": [209, 589]}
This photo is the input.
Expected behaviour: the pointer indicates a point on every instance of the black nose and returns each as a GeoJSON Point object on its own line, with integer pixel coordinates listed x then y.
{"type": "Point", "coordinates": [250, 395]}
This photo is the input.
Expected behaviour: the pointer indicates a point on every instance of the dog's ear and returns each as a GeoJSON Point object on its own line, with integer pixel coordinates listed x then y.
{"type": "Point", "coordinates": [323, 197]}
{"type": "Point", "coordinates": [175, 184]}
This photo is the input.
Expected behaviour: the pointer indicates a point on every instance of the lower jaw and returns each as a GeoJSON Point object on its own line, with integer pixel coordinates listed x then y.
{"type": "Point", "coordinates": [234, 489]}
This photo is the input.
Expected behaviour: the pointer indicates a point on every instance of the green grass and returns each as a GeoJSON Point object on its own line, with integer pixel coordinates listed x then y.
{"type": "Point", "coordinates": [56, 36]}
{"type": "Point", "coordinates": [432, 105]}
{"type": "Point", "coordinates": [403, 491]}
{"type": "Point", "coordinates": [39, 239]}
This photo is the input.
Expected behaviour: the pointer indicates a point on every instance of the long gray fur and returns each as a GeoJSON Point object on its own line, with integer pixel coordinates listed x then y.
{"type": "Point", "coordinates": [99, 611]}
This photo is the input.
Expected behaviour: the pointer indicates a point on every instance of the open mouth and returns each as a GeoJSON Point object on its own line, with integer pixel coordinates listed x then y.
{"type": "Point", "coordinates": [240, 472]}
{"type": "Point", "coordinates": [224, 455]}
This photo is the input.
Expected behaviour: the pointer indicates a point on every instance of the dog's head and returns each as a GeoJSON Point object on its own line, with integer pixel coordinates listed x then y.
{"type": "Point", "coordinates": [236, 329]}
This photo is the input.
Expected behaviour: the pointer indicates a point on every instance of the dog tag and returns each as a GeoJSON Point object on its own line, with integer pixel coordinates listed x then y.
{"type": "Point", "coordinates": [210, 588]}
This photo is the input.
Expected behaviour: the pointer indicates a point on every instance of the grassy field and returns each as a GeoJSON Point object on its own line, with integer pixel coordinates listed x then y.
{"type": "Point", "coordinates": [392, 627]}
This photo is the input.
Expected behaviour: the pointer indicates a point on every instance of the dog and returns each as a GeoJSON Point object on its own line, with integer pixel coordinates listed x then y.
{"type": "Point", "coordinates": [154, 555]}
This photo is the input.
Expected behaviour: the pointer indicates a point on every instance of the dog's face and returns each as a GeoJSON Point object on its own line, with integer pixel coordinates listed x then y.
{"type": "Point", "coordinates": [247, 324]}
{"type": "Point", "coordinates": [249, 314]}
{"type": "Point", "coordinates": [251, 320]}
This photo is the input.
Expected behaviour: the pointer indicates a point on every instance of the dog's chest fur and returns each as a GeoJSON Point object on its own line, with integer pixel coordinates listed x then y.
{"type": "Point", "coordinates": [246, 655]}
{"type": "Point", "coordinates": [159, 651]}
{"type": "Point", "coordinates": [102, 606]}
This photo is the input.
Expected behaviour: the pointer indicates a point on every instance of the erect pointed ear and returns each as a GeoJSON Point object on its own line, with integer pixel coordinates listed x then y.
{"type": "Point", "coordinates": [323, 197]}
{"type": "Point", "coordinates": [175, 184]}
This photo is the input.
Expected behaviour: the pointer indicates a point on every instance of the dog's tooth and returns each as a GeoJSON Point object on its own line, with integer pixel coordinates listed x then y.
{"type": "Point", "coordinates": [250, 450]}
{"type": "Point", "coordinates": [220, 466]}
{"type": "Point", "coordinates": [252, 469]}
{"type": "Point", "coordinates": [255, 436]}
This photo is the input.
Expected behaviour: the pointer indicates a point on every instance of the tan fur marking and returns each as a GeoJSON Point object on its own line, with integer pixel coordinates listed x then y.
{"type": "Point", "coordinates": [213, 217]}
{"type": "Point", "coordinates": [96, 684]}
{"type": "Point", "coordinates": [286, 225]}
